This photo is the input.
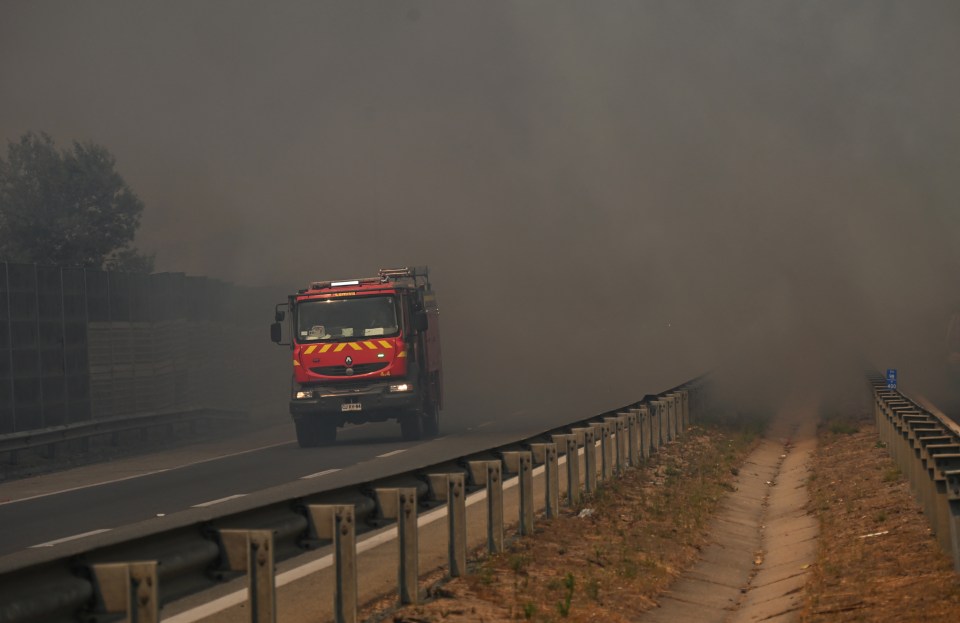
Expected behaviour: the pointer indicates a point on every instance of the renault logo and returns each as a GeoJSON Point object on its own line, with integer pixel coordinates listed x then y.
{"type": "Point", "coordinates": [349, 361]}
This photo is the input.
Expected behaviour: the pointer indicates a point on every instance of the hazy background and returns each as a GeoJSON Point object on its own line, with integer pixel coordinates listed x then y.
{"type": "Point", "coordinates": [612, 196]}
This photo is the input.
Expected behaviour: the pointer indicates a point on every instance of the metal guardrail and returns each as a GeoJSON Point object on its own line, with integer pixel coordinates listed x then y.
{"type": "Point", "coordinates": [13, 443]}
{"type": "Point", "coordinates": [925, 445]}
{"type": "Point", "coordinates": [134, 573]}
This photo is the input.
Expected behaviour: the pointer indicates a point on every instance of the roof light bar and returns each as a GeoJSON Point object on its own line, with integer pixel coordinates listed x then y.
{"type": "Point", "coordinates": [337, 284]}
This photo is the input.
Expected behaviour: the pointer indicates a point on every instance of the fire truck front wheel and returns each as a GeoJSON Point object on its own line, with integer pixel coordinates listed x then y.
{"type": "Point", "coordinates": [314, 432]}
{"type": "Point", "coordinates": [411, 427]}
{"type": "Point", "coordinates": [421, 424]}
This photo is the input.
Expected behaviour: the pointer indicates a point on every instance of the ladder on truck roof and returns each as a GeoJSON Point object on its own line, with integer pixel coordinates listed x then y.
{"type": "Point", "coordinates": [383, 276]}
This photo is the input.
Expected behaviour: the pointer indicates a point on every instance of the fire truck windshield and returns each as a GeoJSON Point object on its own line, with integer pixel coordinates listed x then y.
{"type": "Point", "coordinates": [346, 318]}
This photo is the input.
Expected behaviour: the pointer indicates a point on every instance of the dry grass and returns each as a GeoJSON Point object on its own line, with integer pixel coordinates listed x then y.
{"type": "Point", "coordinates": [899, 575]}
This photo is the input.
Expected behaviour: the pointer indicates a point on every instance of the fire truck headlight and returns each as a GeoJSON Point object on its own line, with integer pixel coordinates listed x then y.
{"type": "Point", "coordinates": [304, 395]}
{"type": "Point", "coordinates": [402, 387]}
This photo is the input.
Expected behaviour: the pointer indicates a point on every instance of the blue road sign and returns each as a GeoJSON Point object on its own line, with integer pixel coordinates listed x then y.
{"type": "Point", "coordinates": [891, 378]}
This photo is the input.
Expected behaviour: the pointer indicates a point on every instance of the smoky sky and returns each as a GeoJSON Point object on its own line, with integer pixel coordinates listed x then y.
{"type": "Point", "coordinates": [607, 193]}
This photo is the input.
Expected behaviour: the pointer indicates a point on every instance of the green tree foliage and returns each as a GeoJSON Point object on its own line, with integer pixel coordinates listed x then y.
{"type": "Point", "coordinates": [67, 208]}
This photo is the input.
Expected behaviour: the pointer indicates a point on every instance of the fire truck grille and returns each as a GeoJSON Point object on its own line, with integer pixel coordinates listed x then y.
{"type": "Point", "coordinates": [360, 368]}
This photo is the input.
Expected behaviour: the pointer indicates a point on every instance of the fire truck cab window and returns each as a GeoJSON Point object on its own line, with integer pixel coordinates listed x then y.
{"type": "Point", "coordinates": [346, 318]}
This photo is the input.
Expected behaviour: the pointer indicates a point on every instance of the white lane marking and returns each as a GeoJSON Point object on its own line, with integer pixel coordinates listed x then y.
{"type": "Point", "coordinates": [233, 454]}
{"type": "Point", "coordinates": [484, 424]}
{"type": "Point", "coordinates": [318, 474]}
{"type": "Point", "coordinates": [71, 538]}
{"type": "Point", "coordinates": [383, 456]}
{"type": "Point", "coordinates": [156, 471]}
{"type": "Point", "coordinates": [106, 482]}
{"type": "Point", "coordinates": [219, 500]}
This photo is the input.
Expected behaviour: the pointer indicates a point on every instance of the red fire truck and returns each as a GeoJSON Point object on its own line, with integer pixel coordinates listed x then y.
{"type": "Point", "coordinates": [364, 350]}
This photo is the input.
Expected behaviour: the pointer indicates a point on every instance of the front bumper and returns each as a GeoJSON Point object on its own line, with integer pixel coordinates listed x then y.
{"type": "Point", "coordinates": [376, 404]}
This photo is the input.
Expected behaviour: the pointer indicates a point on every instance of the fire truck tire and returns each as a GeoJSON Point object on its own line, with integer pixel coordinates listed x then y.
{"type": "Point", "coordinates": [431, 421]}
{"type": "Point", "coordinates": [311, 434]}
{"type": "Point", "coordinates": [411, 427]}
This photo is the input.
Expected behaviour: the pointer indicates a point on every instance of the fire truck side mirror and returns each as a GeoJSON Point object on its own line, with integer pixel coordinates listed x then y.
{"type": "Point", "coordinates": [279, 315]}
{"type": "Point", "coordinates": [276, 332]}
{"type": "Point", "coordinates": [420, 321]}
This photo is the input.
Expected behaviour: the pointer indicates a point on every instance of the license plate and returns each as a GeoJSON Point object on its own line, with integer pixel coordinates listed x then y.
{"type": "Point", "coordinates": [350, 406]}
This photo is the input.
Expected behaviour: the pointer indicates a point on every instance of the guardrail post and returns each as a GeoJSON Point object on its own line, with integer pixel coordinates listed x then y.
{"type": "Point", "coordinates": [925, 441]}
{"type": "Point", "coordinates": [489, 474]}
{"type": "Point", "coordinates": [336, 522]}
{"type": "Point", "coordinates": [646, 431]}
{"type": "Point", "coordinates": [910, 422]}
{"type": "Point", "coordinates": [664, 421]}
{"type": "Point", "coordinates": [899, 411]}
{"type": "Point", "coordinates": [685, 405]}
{"type": "Point", "coordinates": [572, 451]}
{"type": "Point", "coordinates": [885, 416]}
{"type": "Point", "coordinates": [612, 454]}
{"type": "Point", "coordinates": [880, 412]}
{"type": "Point", "coordinates": [401, 504]}
{"type": "Point", "coordinates": [606, 449]}
{"type": "Point", "coordinates": [521, 464]}
{"type": "Point", "coordinates": [951, 473]}
{"type": "Point", "coordinates": [252, 551]}
{"type": "Point", "coordinates": [674, 406]}
{"type": "Point", "coordinates": [681, 423]}
{"type": "Point", "coordinates": [451, 487]}
{"type": "Point", "coordinates": [924, 487]}
{"type": "Point", "coordinates": [949, 466]}
{"type": "Point", "coordinates": [546, 453]}
{"type": "Point", "coordinates": [666, 409]}
{"type": "Point", "coordinates": [633, 437]}
{"type": "Point", "coordinates": [941, 503]}
{"type": "Point", "coordinates": [678, 411]}
{"type": "Point", "coordinates": [657, 431]}
{"type": "Point", "coordinates": [620, 424]}
{"type": "Point", "coordinates": [939, 514]}
{"type": "Point", "coordinates": [589, 457]}
{"type": "Point", "coordinates": [672, 416]}
{"type": "Point", "coordinates": [129, 589]}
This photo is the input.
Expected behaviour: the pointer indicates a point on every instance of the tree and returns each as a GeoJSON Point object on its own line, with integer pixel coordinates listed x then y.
{"type": "Point", "coordinates": [67, 208]}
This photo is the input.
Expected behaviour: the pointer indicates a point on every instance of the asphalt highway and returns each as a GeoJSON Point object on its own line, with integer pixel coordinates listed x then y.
{"type": "Point", "coordinates": [71, 510]}
{"type": "Point", "coordinates": [78, 511]}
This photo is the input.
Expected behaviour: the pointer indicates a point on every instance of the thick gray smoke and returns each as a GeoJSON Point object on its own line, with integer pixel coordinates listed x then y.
{"type": "Point", "coordinates": [612, 196]}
